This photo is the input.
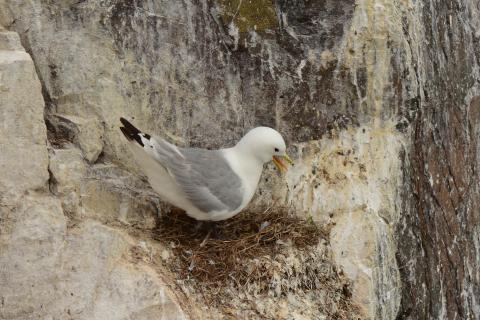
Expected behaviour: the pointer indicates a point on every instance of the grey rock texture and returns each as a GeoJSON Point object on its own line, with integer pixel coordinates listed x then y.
{"type": "Point", "coordinates": [379, 101]}
{"type": "Point", "coordinates": [53, 265]}
{"type": "Point", "coordinates": [439, 228]}
{"type": "Point", "coordinates": [22, 122]}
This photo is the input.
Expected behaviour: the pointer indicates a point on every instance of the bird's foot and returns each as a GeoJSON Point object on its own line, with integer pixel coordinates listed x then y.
{"type": "Point", "coordinates": [209, 228]}
{"type": "Point", "coordinates": [199, 226]}
{"type": "Point", "coordinates": [206, 238]}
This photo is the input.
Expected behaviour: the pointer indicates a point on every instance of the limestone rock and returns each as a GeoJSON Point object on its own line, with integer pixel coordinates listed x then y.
{"type": "Point", "coordinates": [110, 195]}
{"type": "Point", "coordinates": [9, 41]}
{"type": "Point", "coordinates": [77, 273]}
{"type": "Point", "coordinates": [52, 265]}
{"type": "Point", "coordinates": [90, 138]}
{"type": "Point", "coordinates": [68, 171]}
{"type": "Point", "coordinates": [86, 133]}
{"type": "Point", "coordinates": [350, 180]}
{"type": "Point", "coordinates": [378, 101]}
{"type": "Point", "coordinates": [98, 283]}
{"type": "Point", "coordinates": [24, 158]}
{"type": "Point", "coordinates": [30, 258]}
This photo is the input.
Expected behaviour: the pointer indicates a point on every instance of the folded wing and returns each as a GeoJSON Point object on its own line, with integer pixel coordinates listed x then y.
{"type": "Point", "coordinates": [204, 175]}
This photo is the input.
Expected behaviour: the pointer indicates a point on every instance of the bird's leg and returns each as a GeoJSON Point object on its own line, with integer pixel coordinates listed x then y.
{"type": "Point", "coordinates": [214, 230]}
{"type": "Point", "coordinates": [206, 238]}
{"type": "Point", "coordinates": [211, 228]}
{"type": "Point", "coordinates": [199, 226]}
{"type": "Point", "coordinates": [204, 226]}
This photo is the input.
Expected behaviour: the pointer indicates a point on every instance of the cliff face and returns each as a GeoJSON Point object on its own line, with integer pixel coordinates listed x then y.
{"type": "Point", "coordinates": [379, 102]}
{"type": "Point", "coordinates": [438, 234]}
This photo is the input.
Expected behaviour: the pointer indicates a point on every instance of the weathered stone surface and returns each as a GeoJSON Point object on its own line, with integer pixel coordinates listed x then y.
{"type": "Point", "coordinates": [52, 265]}
{"type": "Point", "coordinates": [23, 155]}
{"type": "Point", "coordinates": [111, 195]}
{"type": "Point", "coordinates": [438, 234]}
{"type": "Point", "coordinates": [10, 41]}
{"type": "Point", "coordinates": [351, 180]}
{"type": "Point", "coordinates": [98, 283]}
{"type": "Point", "coordinates": [378, 100]}
{"type": "Point", "coordinates": [85, 133]}
{"type": "Point", "coordinates": [31, 248]}
{"type": "Point", "coordinates": [67, 168]}
{"type": "Point", "coordinates": [89, 137]}
{"type": "Point", "coordinates": [68, 171]}
{"type": "Point", "coordinates": [51, 272]}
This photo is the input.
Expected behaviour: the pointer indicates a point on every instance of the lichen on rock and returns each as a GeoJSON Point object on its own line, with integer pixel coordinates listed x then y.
{"type": "Point", "coordinates": [247, 16]}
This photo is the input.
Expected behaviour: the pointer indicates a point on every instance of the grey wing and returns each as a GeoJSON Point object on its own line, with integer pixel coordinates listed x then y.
{"type": "Point", "coordinates": [204, 175]}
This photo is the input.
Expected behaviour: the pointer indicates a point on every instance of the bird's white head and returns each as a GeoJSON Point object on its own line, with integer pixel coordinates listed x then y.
{"type": "Point", "coordinates": [265, 144]}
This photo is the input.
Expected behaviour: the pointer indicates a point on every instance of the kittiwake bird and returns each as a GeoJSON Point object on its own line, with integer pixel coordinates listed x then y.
{"type": "Point", "coordinates": [209, 185]}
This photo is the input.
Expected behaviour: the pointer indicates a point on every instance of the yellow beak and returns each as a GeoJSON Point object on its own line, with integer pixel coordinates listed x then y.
{"type": "Point", "coordinates": [277, 161]}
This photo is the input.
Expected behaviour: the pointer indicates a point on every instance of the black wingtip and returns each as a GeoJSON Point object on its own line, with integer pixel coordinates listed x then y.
{"type": "Point", "coordinates": [125, 133]}
{"type": "Point", "coordinates": [130, 132]}
{"type": "Point", "coordinates": [129, 126]}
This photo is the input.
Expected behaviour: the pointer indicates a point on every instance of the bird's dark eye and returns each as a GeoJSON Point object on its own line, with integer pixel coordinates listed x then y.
{"type": "Point", "coordinates": [276, 150]}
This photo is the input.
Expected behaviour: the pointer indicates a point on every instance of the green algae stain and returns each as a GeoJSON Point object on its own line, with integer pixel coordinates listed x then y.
{"type": "Point", "coordinates": [248, 15]}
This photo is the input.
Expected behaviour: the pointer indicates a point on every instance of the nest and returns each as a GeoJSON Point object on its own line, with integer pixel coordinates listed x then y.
{"type": "Point", "coordinates": [268, 254]}
{"type": "Point", "coordinates": [211, 252]}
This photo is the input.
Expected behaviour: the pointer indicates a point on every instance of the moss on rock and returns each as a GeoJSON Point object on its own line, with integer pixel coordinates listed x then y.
{"type": "Point", "coordinates": [248, 15]}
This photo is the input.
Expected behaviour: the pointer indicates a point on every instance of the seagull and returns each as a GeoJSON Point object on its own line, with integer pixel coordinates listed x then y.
{"type": "Point", "coordinates": [210, 185]}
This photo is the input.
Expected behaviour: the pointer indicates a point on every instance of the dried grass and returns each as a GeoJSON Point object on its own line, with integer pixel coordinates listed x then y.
{"type": "Point", "coordinates": [270, 254]}
{"type": "Point", "coordinates": [215, 251]}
